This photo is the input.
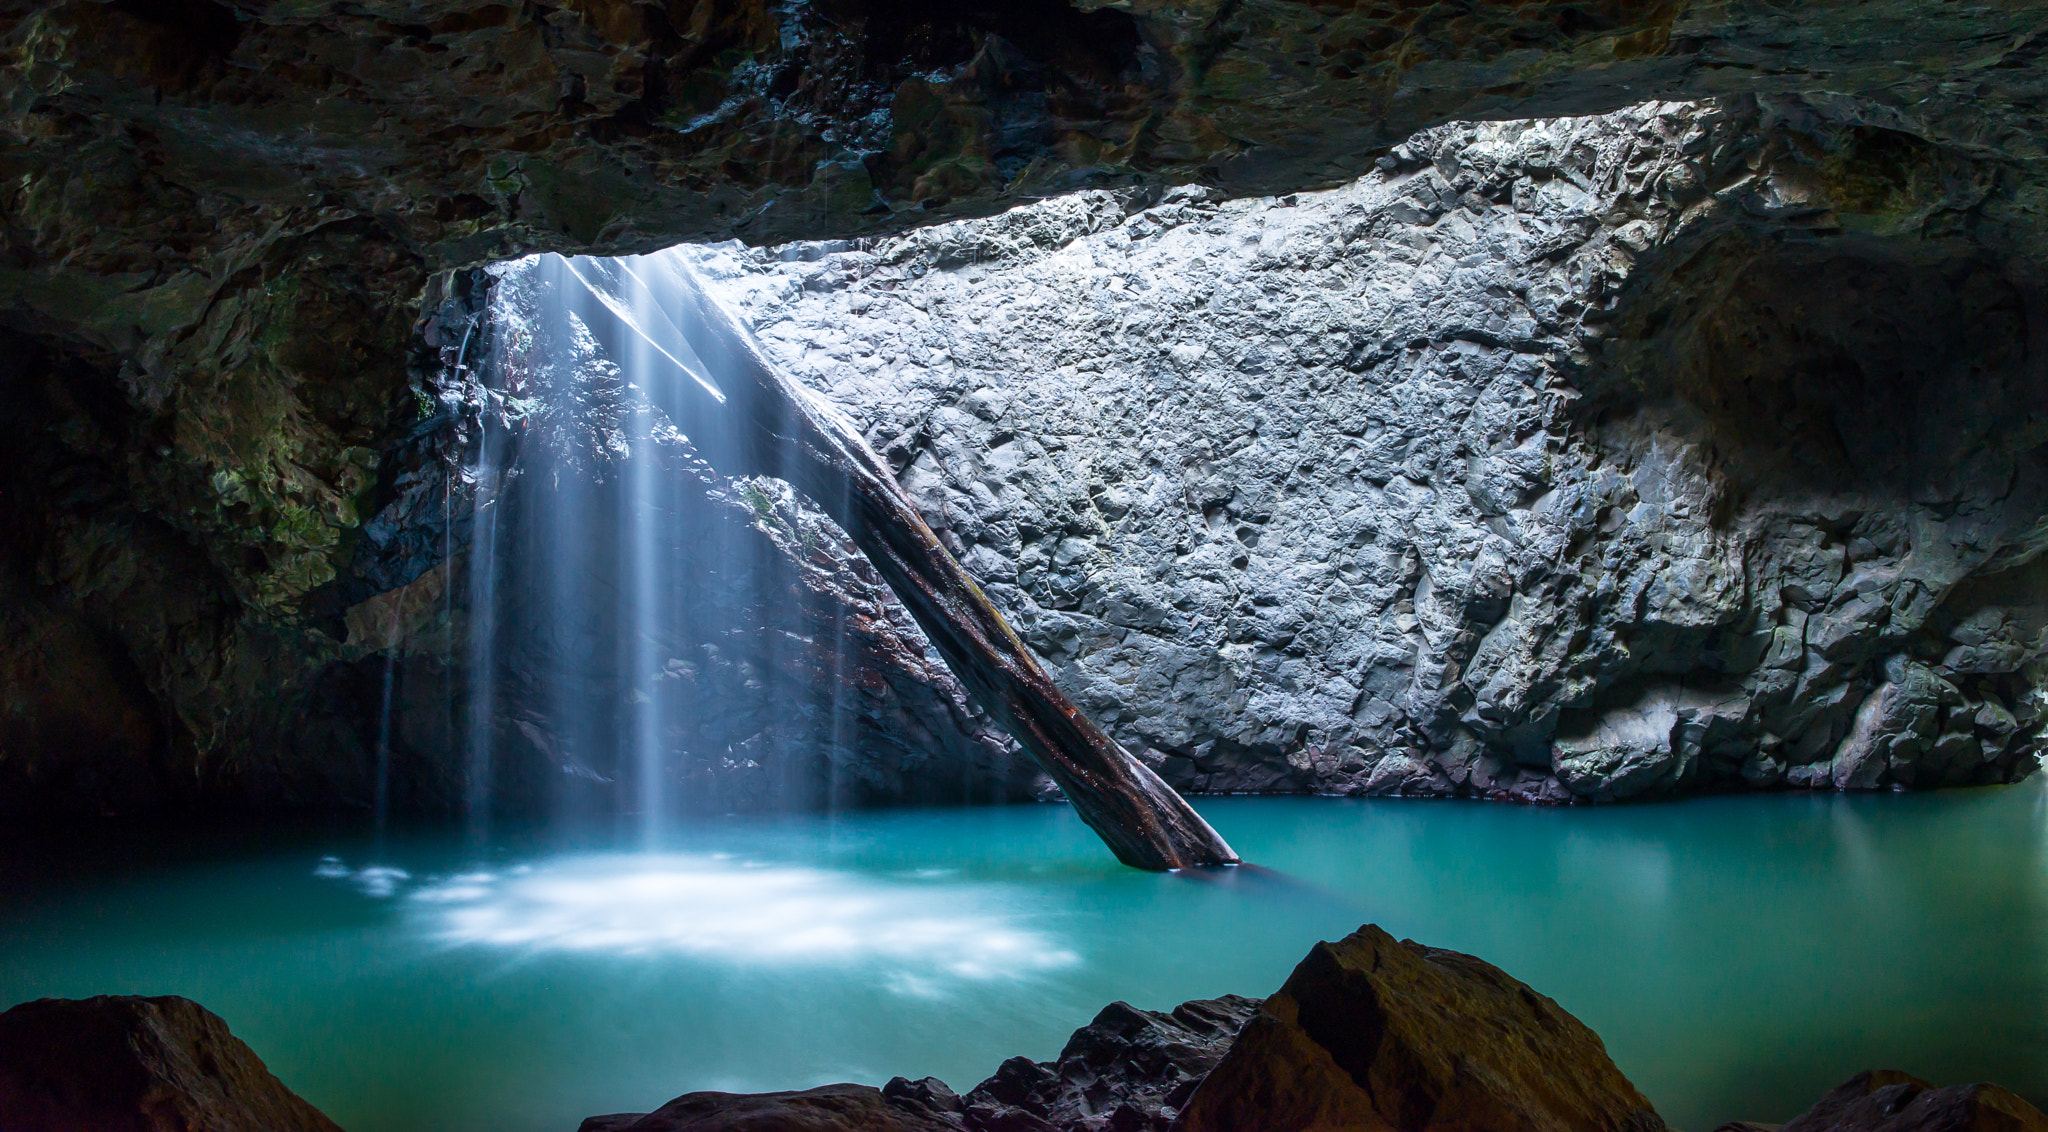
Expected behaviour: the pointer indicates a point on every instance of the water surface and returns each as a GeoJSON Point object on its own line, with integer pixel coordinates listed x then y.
{"type": "Point", "coordinates": [1738, 955]}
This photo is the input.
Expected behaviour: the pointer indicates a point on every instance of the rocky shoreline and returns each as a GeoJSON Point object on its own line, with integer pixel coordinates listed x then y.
{"type": "Point", "coordinates": [1369, 1032]}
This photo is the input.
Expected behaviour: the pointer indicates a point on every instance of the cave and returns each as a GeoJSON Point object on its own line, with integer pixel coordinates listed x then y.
{"type": "Point", "coordinates": [614, 566]}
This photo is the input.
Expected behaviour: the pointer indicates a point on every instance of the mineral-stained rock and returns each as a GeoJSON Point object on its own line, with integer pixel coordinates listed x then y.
{"type": "Point", "coordinates": [1371, 1033]}
{"type": "Point", "coordinates": [129, 1064]}
{"type": "Point", "coordinates": [1890, 1101]}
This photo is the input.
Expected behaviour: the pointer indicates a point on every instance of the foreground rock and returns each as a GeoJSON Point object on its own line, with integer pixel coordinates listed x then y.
{"type": "Point", "coordinates": [1373, 1033]}
{"type": "Point", "coordinates": [1887, 1100]}
{"type": "Point", "coordinates": [828, 1108]}
{"type": "Point", "coordinates": [132, 1064]}
{"type": "Point", "coordinates": [1367, 1033]}
{"type": "Point", "coordinates": [1128, 1070]}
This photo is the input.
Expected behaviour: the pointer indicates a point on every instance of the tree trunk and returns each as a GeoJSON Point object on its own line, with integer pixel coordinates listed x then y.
{"type": "Point", "coordinates": [785, 431]}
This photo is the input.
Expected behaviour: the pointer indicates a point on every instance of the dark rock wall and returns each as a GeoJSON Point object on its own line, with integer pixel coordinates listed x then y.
{"type": "Point", "coordinates": [222, 223]}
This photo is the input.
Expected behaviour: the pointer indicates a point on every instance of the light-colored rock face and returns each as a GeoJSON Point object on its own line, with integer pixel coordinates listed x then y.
{"type": "Point", "coordinates": [1345, 492]}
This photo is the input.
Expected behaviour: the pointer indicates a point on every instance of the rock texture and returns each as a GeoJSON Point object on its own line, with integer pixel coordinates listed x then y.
{"type": "Point", "coordinates": [1694, 446]}
{"type": "Point", "coordinates": [1129, 1070]}
{"type": "Point", "coordinates": [1892, 1101]}
{"type": "Point", "coordinates": [828, 1108]}
{"type": "Point", "coordinates": [1372, 1033]}
{"type": "Point", "coordinates": [126, 1064]}
{"type": "Point", "coordinates": [223, 221]}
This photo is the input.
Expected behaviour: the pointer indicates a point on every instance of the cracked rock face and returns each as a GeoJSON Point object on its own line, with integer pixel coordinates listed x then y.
{"type": "Point", "coordinates": [1580, 459]}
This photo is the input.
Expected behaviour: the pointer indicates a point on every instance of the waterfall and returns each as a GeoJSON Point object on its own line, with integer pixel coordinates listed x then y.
{"type": "Point", "coordinates": [381, 802]}
{"type": "Point", "coordinates": [486, 480]}
{"type": "Point", "coordinates": [658, 623]}
{"type": "Point", "coordinates": [605, 581]}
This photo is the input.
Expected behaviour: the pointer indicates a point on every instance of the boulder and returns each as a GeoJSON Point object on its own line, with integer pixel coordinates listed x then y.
{"type": "Point", "coordinates": [120, 1063]}
{"type": "Point", "coordinates": [1374, 1033]}
{"type": "Point", "coordinates": [1368, 1034]}
{"type": "Point", "coordinates": [827, 1108]}
{"type": "Point", "coordinates": [1128, 1070]}
{"type": "Point", "coordinates": [1887, 1100]}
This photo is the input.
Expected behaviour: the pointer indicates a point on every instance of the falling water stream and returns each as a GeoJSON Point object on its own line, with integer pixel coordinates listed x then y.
{"type": "Point", "coordinates": [608, 591]}
{"type": "Point", "coordinates": [480, 765]}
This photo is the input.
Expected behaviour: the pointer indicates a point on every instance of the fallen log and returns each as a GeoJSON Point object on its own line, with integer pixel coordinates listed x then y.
{"type": "Point", "coordinates": [752, 418]}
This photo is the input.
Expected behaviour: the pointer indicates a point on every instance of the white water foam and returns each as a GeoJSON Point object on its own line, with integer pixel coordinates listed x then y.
{"type": "Point", "coordinates": [921, 931]}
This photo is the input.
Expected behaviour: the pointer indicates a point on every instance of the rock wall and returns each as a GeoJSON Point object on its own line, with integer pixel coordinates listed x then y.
{"type": "Point", "coordinates": [222, 227]}
{"type": "Point", "coordinates": [1578, 459]}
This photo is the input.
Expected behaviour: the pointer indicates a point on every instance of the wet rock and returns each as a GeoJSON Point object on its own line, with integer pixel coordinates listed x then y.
{"type": "Point", "coordinates": [1891, 1101]}
{"type": "Point", "coordinates": [827, 1108]}
{"type": "Point", "coordinates": [129, 1064]}
{"type": "Point", "coordinates": [781, 673]}
{"type": "Point", "coordinates": [1369, 1032]}
{"type": "Point", "coordinates": [1126, 1071]}
{"type": "Point", "coordinates": [1129, 1070]}
{"type": "Point", "coordinates": [1629, 752]}
{"type": "Point", "coordinates": [929, 1096]}
{"type": "Point", "coordinates": [1896, 725]}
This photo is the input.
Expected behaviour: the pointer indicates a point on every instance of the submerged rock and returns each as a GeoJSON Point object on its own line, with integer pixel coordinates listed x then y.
{"type": "Point", "coordinates": [1373, 1033]}
{"type": "Point", "coordinates": [121, 1063]}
